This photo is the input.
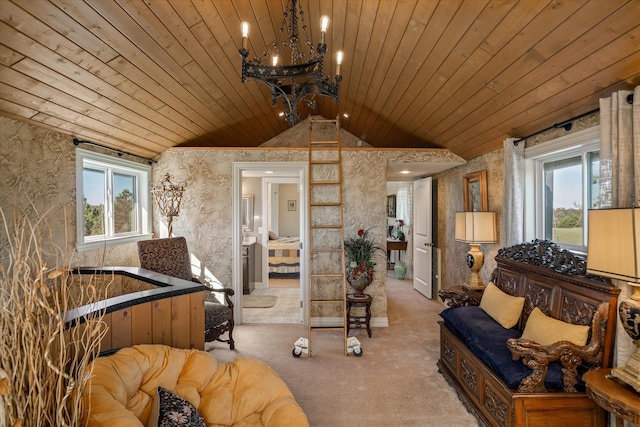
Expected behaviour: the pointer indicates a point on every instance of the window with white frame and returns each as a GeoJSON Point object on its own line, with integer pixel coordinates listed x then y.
{"type": "Point", "coordinates": [562, 185]}
{"type": "Point", "coordinates": [113, 200]}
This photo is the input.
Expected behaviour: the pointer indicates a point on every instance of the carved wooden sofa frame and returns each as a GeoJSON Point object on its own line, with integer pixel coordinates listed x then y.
{"type": "Point", "coordinates": [555, 281]}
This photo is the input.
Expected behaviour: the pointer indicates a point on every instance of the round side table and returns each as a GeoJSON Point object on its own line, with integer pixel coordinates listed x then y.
{"type": "Point", "coordinates": [613, 396]}
{"type": "Point", "coordinates": [358, 321]}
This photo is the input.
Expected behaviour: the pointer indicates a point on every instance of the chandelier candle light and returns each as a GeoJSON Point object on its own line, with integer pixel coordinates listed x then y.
{"type": "Point", "coordinates": [302, 79]}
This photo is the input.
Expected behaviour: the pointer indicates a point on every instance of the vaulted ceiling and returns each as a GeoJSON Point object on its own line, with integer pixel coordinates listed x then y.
{"type": "Point", "coordinates": [143, 76]}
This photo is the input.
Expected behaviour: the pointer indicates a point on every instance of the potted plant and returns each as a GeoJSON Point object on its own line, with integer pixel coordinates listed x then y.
{"type": "Point", "coordinates": [360, 253]}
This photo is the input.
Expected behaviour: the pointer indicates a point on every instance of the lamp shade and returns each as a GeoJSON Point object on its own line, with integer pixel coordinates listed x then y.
{"type": "Point", "coordinates": [614, 243]}
{"type": "Point", "coordinates": [475, 227]}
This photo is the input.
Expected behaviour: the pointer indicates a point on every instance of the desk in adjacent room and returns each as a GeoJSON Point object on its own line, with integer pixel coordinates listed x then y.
{"type": "Point", "coordinates": [395, 245]}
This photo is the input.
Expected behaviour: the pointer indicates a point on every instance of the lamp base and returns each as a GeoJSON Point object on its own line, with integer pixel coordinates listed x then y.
{"type": "Point", "coordinates": [629, 312]}
{"type": "Point", "coordinates": [475, 259]}
{"type": "Point", "coordinates": [630, 373]}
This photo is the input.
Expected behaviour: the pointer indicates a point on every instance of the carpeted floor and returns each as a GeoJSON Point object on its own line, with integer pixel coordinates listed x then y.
{"type": "Point", "coordinates": [395, 382]}
{"type": "Point", "coordinates": [285, 310]}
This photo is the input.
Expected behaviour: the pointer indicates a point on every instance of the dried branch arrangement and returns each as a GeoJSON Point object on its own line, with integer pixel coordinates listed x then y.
{"type": "Point", "coordinates": [43, 363]}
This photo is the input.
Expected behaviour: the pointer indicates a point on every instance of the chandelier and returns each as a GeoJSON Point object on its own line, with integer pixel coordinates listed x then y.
{"type": "Point", "coordinates": [302, 79]}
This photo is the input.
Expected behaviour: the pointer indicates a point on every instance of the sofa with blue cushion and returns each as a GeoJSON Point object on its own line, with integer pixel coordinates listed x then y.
{"type": "Point", "coordinates": [504, 377]}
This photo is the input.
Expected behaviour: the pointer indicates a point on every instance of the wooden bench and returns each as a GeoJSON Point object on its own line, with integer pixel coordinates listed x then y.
{"type": "Point", "coordinates": [555, 281]}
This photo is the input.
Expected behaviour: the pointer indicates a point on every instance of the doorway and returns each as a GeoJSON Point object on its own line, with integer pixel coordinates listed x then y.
{"type": "Point", "coordinates": [279, 232]}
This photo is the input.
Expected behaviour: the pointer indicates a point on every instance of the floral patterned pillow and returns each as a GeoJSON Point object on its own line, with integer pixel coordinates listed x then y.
{"type": "Point", "coordinates": [170, 410]}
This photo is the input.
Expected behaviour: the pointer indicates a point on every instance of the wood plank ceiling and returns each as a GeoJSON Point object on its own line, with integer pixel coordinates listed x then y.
{"type": "Point", "coordinates": [146, 75]}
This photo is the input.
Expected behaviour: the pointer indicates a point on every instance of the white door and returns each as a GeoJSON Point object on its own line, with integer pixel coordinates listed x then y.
{"type": "Point", "coordinates": [422, 237]}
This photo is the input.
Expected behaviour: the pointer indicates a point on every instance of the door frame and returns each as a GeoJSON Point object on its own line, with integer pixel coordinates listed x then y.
{"type": "Point", "coordinates": [424, 288]}
{"type": "Point", "coordinates": [302, 168]}
{"type": "Point", "coordinates": [266, 215]}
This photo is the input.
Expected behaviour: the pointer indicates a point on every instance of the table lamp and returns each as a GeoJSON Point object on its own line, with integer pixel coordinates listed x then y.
{"type": "Point", "coordinates": [475, 228]}
{"type": "Point", "coordinates": [614, 251]}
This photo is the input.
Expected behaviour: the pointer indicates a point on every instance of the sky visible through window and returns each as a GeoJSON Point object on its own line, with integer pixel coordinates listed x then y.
{"type": "Point", "coordinates": [94, 185]}
{"type": "Point", "coordinates": [567, 188]}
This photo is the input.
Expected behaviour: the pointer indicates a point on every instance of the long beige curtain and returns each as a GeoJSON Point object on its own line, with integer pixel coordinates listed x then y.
{"type": "Point", "coordinates": [620, 149]}
{"type": "Point", "coordinates": [512, 216]}
{"type": "Point", "coordinates": [620, 174]}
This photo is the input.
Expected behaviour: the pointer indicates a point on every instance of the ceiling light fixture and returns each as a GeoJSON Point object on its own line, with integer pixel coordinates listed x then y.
{"type": "Point", "coordinates": [302, 79]}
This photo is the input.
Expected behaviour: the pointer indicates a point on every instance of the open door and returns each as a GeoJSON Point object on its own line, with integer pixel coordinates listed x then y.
{"type": "Point", "coordinates": [422, 237]}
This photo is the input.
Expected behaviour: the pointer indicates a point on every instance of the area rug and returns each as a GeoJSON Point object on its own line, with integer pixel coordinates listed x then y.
{"type": "Point", "coordinates": [259, 301]}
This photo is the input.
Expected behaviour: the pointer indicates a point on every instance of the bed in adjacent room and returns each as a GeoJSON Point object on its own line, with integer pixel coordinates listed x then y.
{"type": "Point", "coordinates": [284, 257]}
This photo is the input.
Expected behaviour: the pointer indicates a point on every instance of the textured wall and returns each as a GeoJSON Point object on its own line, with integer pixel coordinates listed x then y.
{"type": "Point", "coordinates": [38, 175]}
{"type": "Point", "coordinates": [451, 200]}
{"type": "Point", "coordinates": [207, 202]}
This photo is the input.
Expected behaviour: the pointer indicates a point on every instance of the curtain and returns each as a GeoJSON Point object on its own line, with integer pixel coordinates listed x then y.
{"type": "Point", "coordinates": [512, 221]}
{"type": "Point", "coordinates": [619, 149]}
{"type": "Point", "coordinates": [620, 175]}
{"type": "Point", "coordinates": [404, 203]}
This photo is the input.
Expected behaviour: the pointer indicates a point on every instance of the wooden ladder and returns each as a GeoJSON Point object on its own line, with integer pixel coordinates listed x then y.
{"type": "Point", "coordinates": [327, 283]}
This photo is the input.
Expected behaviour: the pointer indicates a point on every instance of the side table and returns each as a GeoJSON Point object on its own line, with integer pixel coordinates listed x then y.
{"type": "Point", "coordinates": [613, 396]}
{"type": "Point", "coordinates": [358, 321]}
{"type": "Point", "coordinates": [457, 296]}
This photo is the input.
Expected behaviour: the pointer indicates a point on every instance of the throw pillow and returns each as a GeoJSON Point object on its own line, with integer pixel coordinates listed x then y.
{"type": "Point", "coordinates": [272, 236]}
{"type": "Point", "coordinates": [546, 330]}
{"type": "Point", "coordinates": [502, 307]}
{"type": "Point", "coordinates": [171, 410]}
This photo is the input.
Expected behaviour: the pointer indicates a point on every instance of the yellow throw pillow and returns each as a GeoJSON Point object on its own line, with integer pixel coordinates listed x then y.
{"type": "Point", "coordinates": [546, 330]}
{"type": "Point", "coordinates": [502, 307]}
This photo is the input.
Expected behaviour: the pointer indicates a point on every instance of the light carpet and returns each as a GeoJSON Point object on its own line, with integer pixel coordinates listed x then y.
{"type": "Point", "coordinates": [395, 382]}
{"type": "Point", "coordinates": [259, 301]}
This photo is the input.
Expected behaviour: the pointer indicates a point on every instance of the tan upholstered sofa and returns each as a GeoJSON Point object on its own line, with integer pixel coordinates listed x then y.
{"type": "Point", "coordinates": [245, 392]}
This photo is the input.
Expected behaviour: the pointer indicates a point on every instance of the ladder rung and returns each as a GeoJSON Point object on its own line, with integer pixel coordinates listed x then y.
{"type": "Point", "coordinates": [324, 162]}
{"type": "Point", "coordinates": [332, 301]}
{"type": "Point", "coordinates": [328, 328]}
{"type": "Point", "coordinates": [327, 250]}
{"type": "Point", "coordinates": [326, 275]}
{"type": "Point", "coordinates": [327, 226]}
{"type": "Point", "coordinates": [325, 182]}
{"type": "Point", "coordinates": [329, 204]}
{"type": "Point", "coordinates": [312, 120]}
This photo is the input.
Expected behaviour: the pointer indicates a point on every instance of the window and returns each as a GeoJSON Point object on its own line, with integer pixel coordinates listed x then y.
{"type": "Point", "coordinates": [113, 200]}
{"type": "Point", "coordinates": [562, 185]}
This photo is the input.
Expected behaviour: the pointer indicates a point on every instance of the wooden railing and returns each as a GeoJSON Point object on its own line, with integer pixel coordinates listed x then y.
{"type": "Point", "coordinates": [144, 307]}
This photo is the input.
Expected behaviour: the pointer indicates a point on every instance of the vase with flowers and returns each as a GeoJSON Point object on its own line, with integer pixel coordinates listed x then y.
{"type": "Point", "coordinates": [360, 253]}
{"type": "Point", "coordinates": [400, 233]}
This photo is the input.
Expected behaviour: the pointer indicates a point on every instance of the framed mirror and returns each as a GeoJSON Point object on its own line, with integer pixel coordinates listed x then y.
{"type": "Point", "coordinates": [247, 212]}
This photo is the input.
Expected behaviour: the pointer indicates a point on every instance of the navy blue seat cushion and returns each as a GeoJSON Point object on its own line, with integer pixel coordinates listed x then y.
{"type": "Point", "coordinates": [487, 339]}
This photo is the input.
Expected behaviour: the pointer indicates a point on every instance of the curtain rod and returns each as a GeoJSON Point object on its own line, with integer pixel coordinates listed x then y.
{"type": "Point", "coordinates": [568, 124]}
{"type": "Point", "coordinates": [120, 153]}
